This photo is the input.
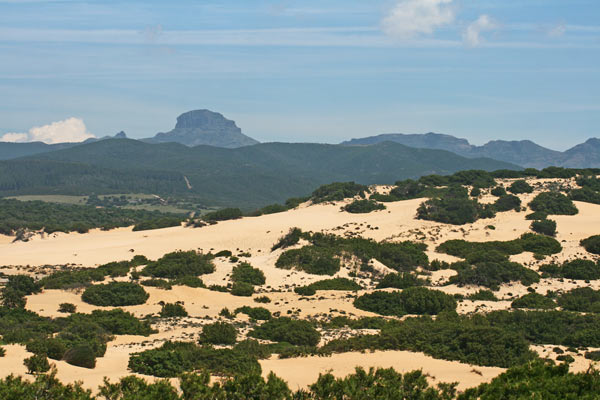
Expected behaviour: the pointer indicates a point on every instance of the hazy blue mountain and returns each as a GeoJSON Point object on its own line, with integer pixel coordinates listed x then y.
{"type": "Point", "coordinates": [248, 176]}
{"type": "Point", "coordinates": [523, 152]}
{"type": "Point", "coordinates": [204, 127]}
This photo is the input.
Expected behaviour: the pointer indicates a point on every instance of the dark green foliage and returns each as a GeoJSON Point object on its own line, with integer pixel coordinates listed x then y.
{"type": "Point", "coordinates": [158, 223]}
{"type": "Point", "coordinates": [338, 191]}
{"type": "Point", "coordinates": [414, 300]}
{"type": "Point", "coordinates": [520, 186]}
{"type": "Point", "coordinates": [179, 264]}
{"type": "Point", "coordinates": [544, 227]}
{"type": "Point", "coordinates": [16, 288]}
{"type": "Point", "coordinates": [218, 333]}
{"type": "Point", "coordinates": [296, 332]}
{"type": "Point", "coordinates": [258, 313]}
{"type": "Point", "coordinates": [172, 310]}
{"type": "Point", "coordinates": [262, 299]}
{"type": "Point", "coordinates": [310, 259]}
{"type": "Point", "coordinates": [335, 284]}
{"type": "Point", "coordinates": [586, 195]}
{"type": "Point", "coordinates": [115, 294]}
{"type": "Point", "coordinates": [191, 281]}
{"type": "Point", "coordinates": [498, 191]}
{"type": "Point", "coordinates": [591, 244]}
{"type": "Point", "coordinates": [223, 214]}
{"type": "Point", "coordinates": [593, 355]}
{"type": "Point", "coordinates": [574, 269]}
{"type": "Point", "coordinates": [507, 202]}
{"type": "Point", "coordinates": [305, 290]}
{"type": "Point", "coordinates": [484, 295]}
{"type": "Point", "coordinates": [248, 274]}
{"type": "Point", "coordinates": [539, 244]}
{"type": "Point", "coordinates": [401, 280]}
{"type": "Point", "coordinates": [534, 301]}
{"type": "Point", "coordinates": [527, 242]}
{"type": "Point", "coordinates": [475, 192]}
{"type": "Point", "coordinates": [492, 274]}
{"type": "Point", "coordinates": [67, 308]}
{"type": "Point", "coordinates": [45, 386]}
{"type": "Point", "coordinates": [537, 215]}
{"type": "Point", "coordinates": [289, 239]}
{"type": "Point", "coordinates": [538, 380]}
{"type": "Point", "coordinates": [270, 209]}
{"type": "Point", "coordinates": [451, 206]}
{"type": "Point", "coordinates": [174, 358]}
{"type": "Point", "coordinates": [363, 206]}
{"type": "Point", "coordinates": [242, 289]}
{"type": "Point", "coordinates": [52, 217]}
{"type": "Point", "coordinates": [37, 364]}
{"type": "Point", "coordinates": [81, 356]}
{"type": "Point", "coordinates": [159, 283]}
{"type": "Point", "coordinates": [583, 299]}
{"type": "Point", "coordinates": [553, 203]}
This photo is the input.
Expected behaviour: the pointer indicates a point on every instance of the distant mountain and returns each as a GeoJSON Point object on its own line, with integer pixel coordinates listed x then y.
{"type": "Point", "coordinates": [204, 127]}
{"type": "Point", "coordinates": [523, 152]}
{"type": "Point", "coordinates": [247, 177]}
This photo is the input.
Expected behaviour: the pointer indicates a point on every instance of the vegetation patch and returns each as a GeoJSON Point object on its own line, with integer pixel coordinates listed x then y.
{"type": "Point", "coordinates": [170, 310]}
{"type": "Point", "coordinates": [575, 269]}
{"type": "Point", "coordinates": [284, 329]}
{"type": "Point", "coordinates": [363, 206]}
{"type": "Point", "coordinates": [115, 294]}
{"type": "Point", "coordinates": [520, 186]}
{"type": "Point", "coordinates": [223, 214]}
{"type": "Point", "coordinates": [248, 274]}
{"type": "Point", "coordinates": [492, 274]}
{"type": "Point", "coordinates": [179, 264]}
{"type": "Point", "coordinates": [400, 280]}
{"type": "Point", "coordinates": [553, 203]}
{"type": "Point", "coordinates": [582, 299]}
{"type": "Point", "coordinates": [591, 244]}
{"type": "Point", "coordinates": [545, 227]}
{"type": "Point", "coordinates": [534, 301]}
{"type": "Point", "coordinates": [414, 300]}
{"type": "Point", "coordinates": [338, 191]}
{"type": "Point", "coordinates": [218, 333]}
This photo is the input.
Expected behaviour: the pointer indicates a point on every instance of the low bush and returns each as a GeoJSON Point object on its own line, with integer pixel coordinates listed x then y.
{"type": "Point", "coordinates": [335, 284]}
{"type": "Point", "coordinates": [191, 281]}
{"type": "Point", "coordinates": [338, 191]}
{"type": "Point", "coordinates": [483, 295]}
{"type": "Point", "coordinates": [81, 356]}
{"type": "Point", "coordinates": [507, 202]}
{"type": "Point", "coordinates": [248, 274]}
{"type": "Point", "coordinates": [544, 227]}
{"type": "Point", "coordinates": [591, 244]}
{"type": "Point", "coordinates": [242, 289]}
{"type": "Point", "coordinates": [414, 300]}
{"type": "Point", "coordinates": [498, 191]}
{"type": "Point", "coordinates": [67, 308]}
{"type": "Point", "coordinates": [169, 310]}
{"type": "Point", "coordinates": [310, 259]}
{"type": "Point", "coordinates": [453, 206]}
{"type": "Point", "coordinates": [156, 282]}
{"type": "Point", "coordinates": [218, 333]}
{"type": "Point", "coordinates": [534, 301]}
{"type": "Point", "coordinates": [223, 214]}
{"type": "Point", "coordinates": [537, 215]}
{"type": "Point", "coordinates": [262, 299]}
{"type": "Point", "coordinates": [289, 239]}
{"type": "Point", "coordinates": [575, 269]}
{"type": "Point", "coordinates": [520, 186]}
{"type": "Point", "coordinates": [553, 203]}
{"type": "Point", "coordinates": [305, 290]}
{"type": "Point", "coordinates": [284, 329]}
{"type": "Point", "coordinates": [257, 313]}
{"type": "Point", "coordinates": [37, 364]}
{"type": "Point", "coordinates": [179, 264]}
{"type": "Point", "coordinates": [493, 274]}
{"type": "Point", "coordinates": [115, 294]}
{"type": "Point", "coordinates": [401, 280]}
{"type": "Point", "coordinates": [363, 206]}
{"type": "Point", "coordinates": [583, 299]}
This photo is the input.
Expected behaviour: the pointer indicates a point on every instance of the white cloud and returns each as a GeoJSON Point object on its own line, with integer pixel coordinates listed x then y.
{"type": "Point", "coordinates": [411, 18]}
{"type": "Point", "coordinates": [557, 31]}
{"type": "Point", "coordinates": [70, 130]}
{"type": "Point", "coordinates": [472, 35]}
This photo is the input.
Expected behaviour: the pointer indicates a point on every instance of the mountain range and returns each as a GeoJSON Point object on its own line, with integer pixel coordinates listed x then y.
{"type": "Point", "coordinates": [523, 152]}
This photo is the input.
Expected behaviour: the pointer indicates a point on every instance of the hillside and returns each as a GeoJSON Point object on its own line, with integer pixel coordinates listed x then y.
{"type": "Point", "coordinates": [523, 152]}
{"type": "Point", "coordinates": [248, 177]}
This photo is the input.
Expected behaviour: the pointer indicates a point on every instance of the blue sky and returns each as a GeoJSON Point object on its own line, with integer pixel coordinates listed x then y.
{"type": "Point", "coordinates": [287, 70]}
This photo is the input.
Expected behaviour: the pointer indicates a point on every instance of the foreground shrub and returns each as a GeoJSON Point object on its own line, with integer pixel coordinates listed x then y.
{"type": "Point", "coordinates": [37, 364]}
{"type": "Point", "coordinates": [81, 356]}
{"type": "Point", "coordinates": [179, 264]}
{"type": "Point", "coordinates": [583, 299]}
{"type": "Point", "coordinates": [67, 308]}
{"type": "Point", "coordinates": [284, 329]}
{"type": "Point", "coordinates": [415, 300]}
{"type": "Point", "coordinates": [242, 289]}
{"type": "Point", "coordinates": [248, 274]}
{"type": "Point", "coordinates": [218, 333]}
{"type": "Point", "coordinates": [591, 244]}
{"type": "Point", "coordinates": [115, 294]}
{"type": "Point", "coordinates": [507, 202]}
{"type": "Point", "coordinates": [534, 301]}
{"type": "Point", "coordinates": [553, 203]}
{"type": "Point", "coordinates": [520, 186]}
{"type": "Point", "coordinates": [169, 310]}
{"type": "Point", "coordinates": [544, 227]}
{"type": "Point", "coordinates": [363, 206]}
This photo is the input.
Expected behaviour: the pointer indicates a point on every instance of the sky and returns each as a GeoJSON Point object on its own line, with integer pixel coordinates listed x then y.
{"type": "Point", "coordinates": [303, 71]}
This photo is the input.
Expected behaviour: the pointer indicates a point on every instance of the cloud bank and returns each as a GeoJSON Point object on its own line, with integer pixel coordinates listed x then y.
{"type": "Point", "coordinates": [472, 35]}
{"type": "Point", "coordinates": [70, 130]}
{"type": "Point", "coordinates": [410, 18]}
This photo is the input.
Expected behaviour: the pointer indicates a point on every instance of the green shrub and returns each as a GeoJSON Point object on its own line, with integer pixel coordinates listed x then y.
{"type": "Point", "coordinates": [218, 333]}
{"type": "Point", "coordinates": [67, 308]}
{"type": "Point", "coordinates": [507, 202]}
{"type": "Point", "coordinates": [475, 192]}
{"type": "Point", "coordinates": [583, 299]}
{"type": "Point", "coordinates": [242, 289]}
{"type": "Point", "coordinates": [574, 269]}
{"type": "Point", "coordinates": [262, 299]}
{"type": "Point", "coordinates": [115, 294]}
{"type": "Point", "coordinates": [527, 242]}
{"type": "Point", "coordinates": [159, 283]}
{"type": "Point", "coordinates": [223, 214]}
{"type": "Point", "coordinates": [305, 290]}
{"type": "Point", "coordinates": [363, 206]}
{"type": "Point", "coordinates": [37, 364]}
{"type": "Point", "coordinates": [172, 310]}
{"type": "Point", "coordinates": [335, 284]}
{"type": "Point", "coordinates": [484, 295]}
{"type": "Point", "coordinates": [452, 206]}
{"type": "Point", "coordinates": [81, 356]}
{"type": "Point", "coordinates": [535, 301]}
{"type": "Point", "coordinates": [591, 244]}
{"type": "Point", "coordinates": [191, 281]}
{"type": "Point", "coordinates": [338, 191]}
{"type": "Point", "coordinates": [179, 264]}
{"type": "Point", "coordinates": [493, 274]}
{"type": "Point", "coordinates": [544, 227]}
{"type": "Point", "coordinates": [248, 274]}
{"type": "Point", "coordinates": [414, 300]}
{"type": "Point", "coordinates": [498, 191]}
{"type": "Point", "coordinates": [586, 195]}
{"type": "Point", "coordinates": [258, 313]}
{"type": "Point", "coordinates": [289, 239]}
{"type": "Point", "coordinates": [537, 215]}
{"type": "Point", "coordinates": [296, 332]}
{"type": "Point", "coordinates": [553, 203]}
{"type": "Point", "coordinates": [400, 280]}
{"type": "Point", "coordinates": [539, 244]}
{"type": "Point", "coordinates": [520, 186]}
{"type": "Point", "coordinates": [310, 259]}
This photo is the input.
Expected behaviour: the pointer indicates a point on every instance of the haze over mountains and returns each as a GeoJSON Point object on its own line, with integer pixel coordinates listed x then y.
{"type": "Point", "coordinates": [523, 152]}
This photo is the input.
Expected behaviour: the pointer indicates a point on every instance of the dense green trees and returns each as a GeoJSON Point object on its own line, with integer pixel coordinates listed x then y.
{"type": "Point", "coordinates": [527, 242]}
{"type": "Point", "coordinates": [592, 244]}
{"type": "Point", "coordinates": [115, 294]}
{"type": "Point", "coordinates": [310, 259]}
{"type": "Point", "coordinates": [284, 329]}
{"type": "Point", "coordinates": [256, 313]}
{"type": "Point", "coordinates": [451, 206]}
{"type": "Point", "coordinates": [16, 288]}
{"type": "Point", "coordinates": [37, 364]}
{"type": "Point", "coordinates": [553, 203]}
{"type": "Point", "coordinates": [414, 300]}
{"type": "Point", "coordinates": [242, 289]}
{"type": "Point", "coordinates": [363, 206]}
{"type": "Point", "coordinates": [179, 264]}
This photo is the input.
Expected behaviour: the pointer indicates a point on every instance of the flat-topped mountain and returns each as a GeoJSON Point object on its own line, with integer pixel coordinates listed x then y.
{"type": "Point", "coordinates": [204, 127]}
{"type": "Point", "coordinates": [521, 152]}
